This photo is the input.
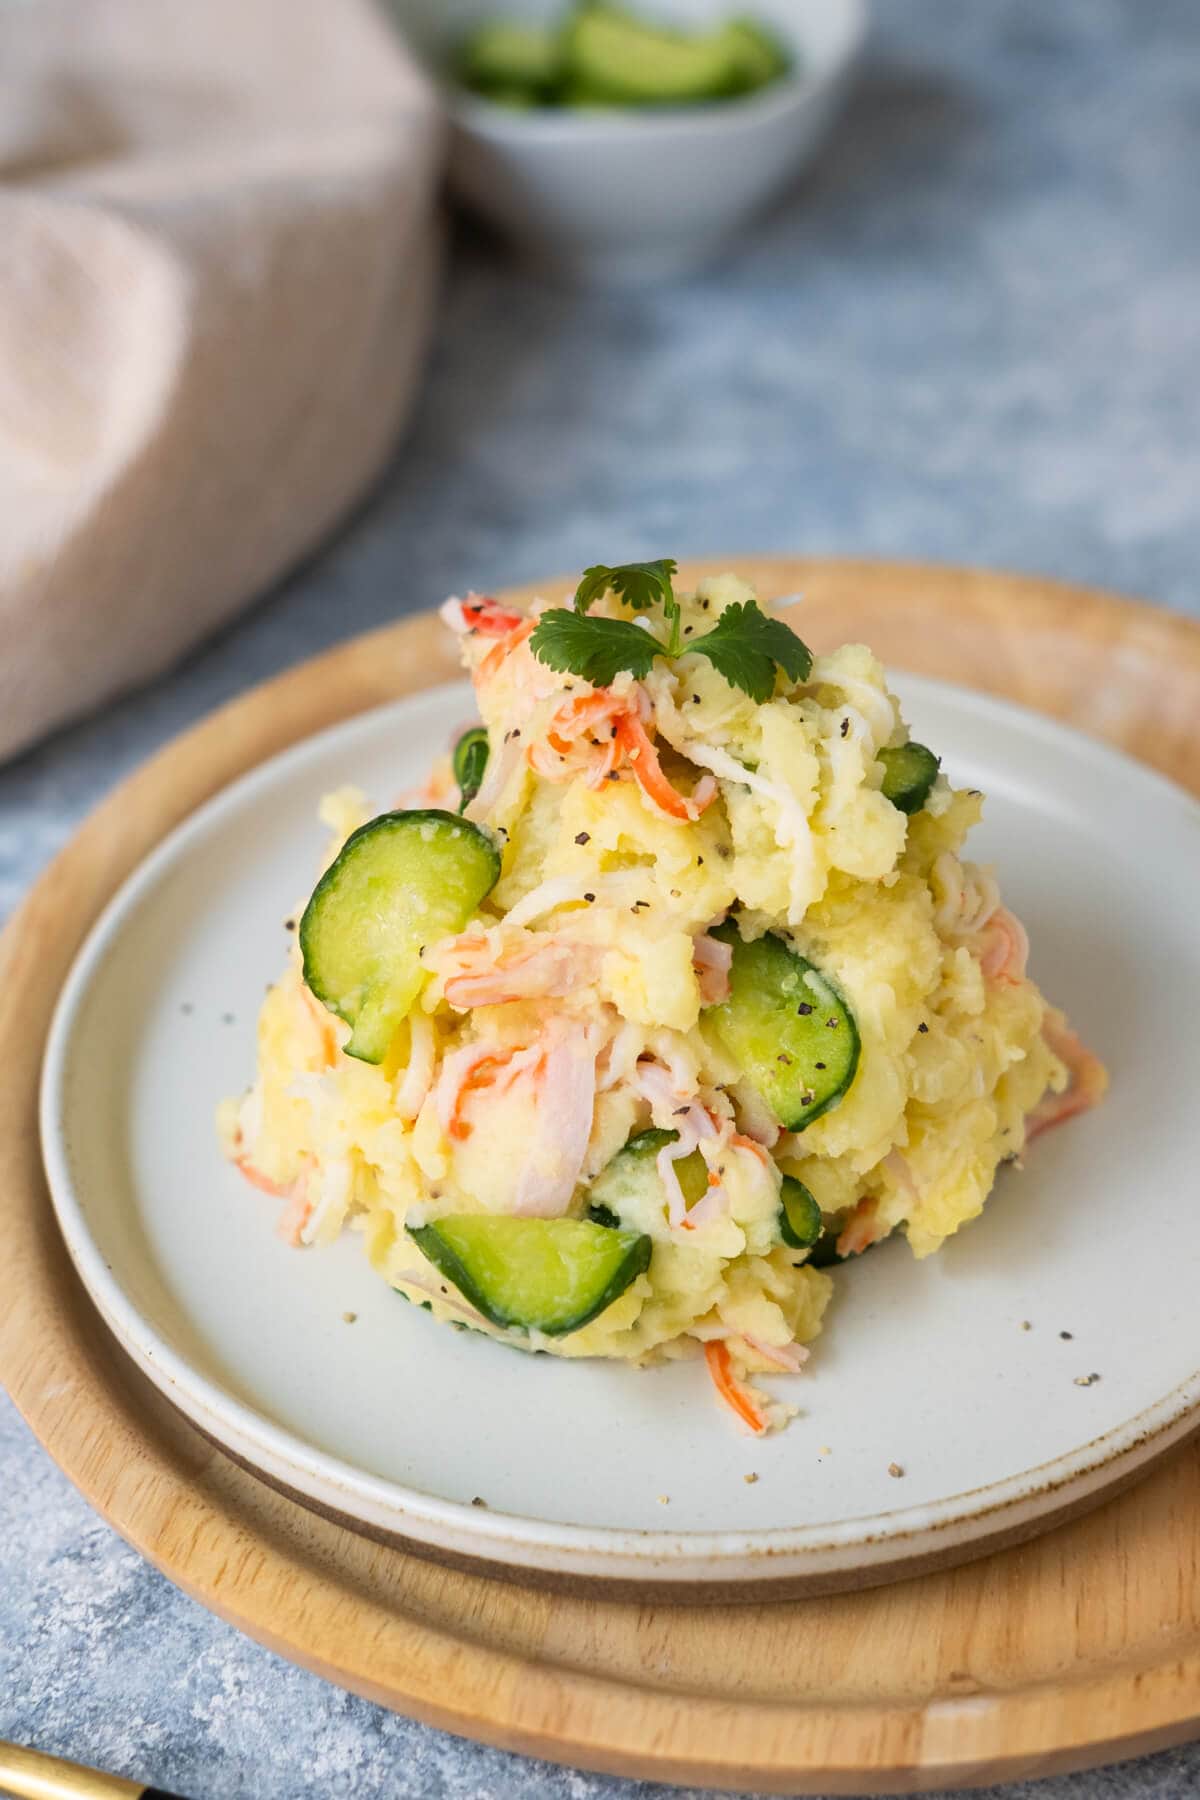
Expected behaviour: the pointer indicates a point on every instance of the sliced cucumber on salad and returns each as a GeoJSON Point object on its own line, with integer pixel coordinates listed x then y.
{"type": "Point", "coordinates": [632, 1176]}
{"type": "Point", "coordinates": [909, 772]}
{"type": "Point", "coordinates": [787, 1028]}
{"type": "Point", "coordinates": [469, 764]}
{"type": "Point", "coordinates": [799, 1215]}
{"type": "Point", "coordinates": [398, 883]}
{"type": "Point", "coordinates": [547, 1275]}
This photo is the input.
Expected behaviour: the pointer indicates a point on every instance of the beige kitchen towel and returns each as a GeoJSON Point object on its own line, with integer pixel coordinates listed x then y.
{"type": "Point", "coordinates": [218, 253]}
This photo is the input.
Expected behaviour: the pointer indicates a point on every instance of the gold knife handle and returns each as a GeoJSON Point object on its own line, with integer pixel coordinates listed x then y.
{"type": "Point", "coordinates": [32, 1775]}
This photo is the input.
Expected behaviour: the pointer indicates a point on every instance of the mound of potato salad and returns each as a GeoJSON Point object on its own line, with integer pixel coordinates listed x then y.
{"type": "Point", "coordinates": [670, 994]}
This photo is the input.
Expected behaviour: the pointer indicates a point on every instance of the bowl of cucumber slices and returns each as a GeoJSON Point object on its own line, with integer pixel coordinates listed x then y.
{"type": "Point", "coordinates": [613, 145]}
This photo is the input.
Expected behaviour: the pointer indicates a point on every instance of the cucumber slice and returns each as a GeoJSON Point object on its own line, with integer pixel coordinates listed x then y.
{"type": "Point", "coordinates": [548, 1275]}
{"type": "Point", "coordinates": [758, 57]}
{"type": "Point", "coordinates": [786, 1026]}
{"type": "Point", "coordinates": [400, 882]}
{"type": "Point", "coordinates": [469, 763]}
{"type": "Point", "coordinates": [909, 771]}
{"type": "Point", "coordinates": [616, 57]}
{"type": "Point", "coordinates": [690, 1171]}
{"type": "Point", "coordinates": [632, 1175]}
{"type": "Point", "coordinates": [799, 1215]}
{"type": "Point", "coordinates": [507, 58]}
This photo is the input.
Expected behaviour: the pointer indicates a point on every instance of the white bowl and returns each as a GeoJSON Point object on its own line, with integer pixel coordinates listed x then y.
{"type": "Point", "coordinates": [627, 196]}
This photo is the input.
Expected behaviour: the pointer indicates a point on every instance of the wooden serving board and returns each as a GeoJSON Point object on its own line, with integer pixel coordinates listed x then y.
{"type": "Point", "coordinates": [1078, 1648]}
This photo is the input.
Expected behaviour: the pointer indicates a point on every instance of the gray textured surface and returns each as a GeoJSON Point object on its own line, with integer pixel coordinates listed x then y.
{"type": "Point", "coordinates": [973, 335]}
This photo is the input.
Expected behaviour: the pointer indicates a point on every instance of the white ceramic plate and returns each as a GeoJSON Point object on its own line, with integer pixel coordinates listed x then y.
{"type": "Point", "coordinates": [401, 1424]}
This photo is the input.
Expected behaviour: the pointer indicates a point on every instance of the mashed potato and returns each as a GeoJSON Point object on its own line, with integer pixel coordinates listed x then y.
{"type": "Point", "coordinates": [576, 1047]}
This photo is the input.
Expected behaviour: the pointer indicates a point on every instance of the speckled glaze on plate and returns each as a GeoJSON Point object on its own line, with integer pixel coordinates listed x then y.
{"type": "Point", "coordinates": [599, 1471]}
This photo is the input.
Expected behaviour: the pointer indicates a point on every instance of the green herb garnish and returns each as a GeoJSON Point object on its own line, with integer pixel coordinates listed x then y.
{"type": "Point", "coordinates": [744, 646]}
{"type": "Point", "coordinates": [596, 649]}
{"type": "Point", "coordinates": [639, 585]}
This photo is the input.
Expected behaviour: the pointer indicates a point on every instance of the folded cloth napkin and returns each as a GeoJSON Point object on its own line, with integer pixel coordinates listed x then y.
{"type": "Point", "coordinates": [218, 251]}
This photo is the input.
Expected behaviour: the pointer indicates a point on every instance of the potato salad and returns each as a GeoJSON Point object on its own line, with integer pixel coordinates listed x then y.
{"type": "Point", "coordinates": [671, 994]}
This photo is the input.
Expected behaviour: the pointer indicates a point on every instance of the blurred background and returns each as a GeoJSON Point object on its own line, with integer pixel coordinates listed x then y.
{"type": "Point", "coordinates": [932, 291]}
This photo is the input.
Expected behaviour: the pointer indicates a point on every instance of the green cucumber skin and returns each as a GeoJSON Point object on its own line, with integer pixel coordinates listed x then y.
{"type": "Point", "coordinates": [505, 57]}
{"type": "Point", "coordinates": [648, 1142]}
{"type": "Point", "coordinates": [604, 56]}
{"type": "Point", "coordinates": [371, 1037]}
{"type": "Point", "coordinates": [616, 57]}
{"type": "Point", "coordinates": [469, 763]}
{"type": "Point", "coordinates": [433, 1246]}
{"type": "Point", "coordinates": [799, 1215]}
{"type": "Point", "coordinates": [765, 978]}
{"type": "Point", "coordinates": [909, 772]}
{"type": "Point", "coordinates": [760, 57]}
{"type": "Point", "coordinates": [691, 1171]}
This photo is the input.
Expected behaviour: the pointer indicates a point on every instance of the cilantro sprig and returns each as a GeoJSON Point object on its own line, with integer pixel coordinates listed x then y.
{"type": "Point", "coordinates": [744, 646]}
{"type": "Point", "coordinates": [596, 649]}
{"type": "Point", "coordinates": [639, 585]}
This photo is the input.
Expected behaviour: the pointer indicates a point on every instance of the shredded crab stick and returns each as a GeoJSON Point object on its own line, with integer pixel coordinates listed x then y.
{"type": "Point", "coordinates": [791, 1358]}
{"type": "Point", "coordinates": [479, 970]}
{"type": "Point", "coordinates": [1087, 1086]}
{"type": "Point", "coordinates": [712, 961]}
{"type": "Point", "coordinates": [862, 1229]}
{"type": "Point", "coordinates": [737, 1397]}
{"type": "Point", "coordinates": [479, 612]}
{"type": "Point", "coordinates": [682, 1112]}
{"type": "Point", "coordinates": [480, 615]}
{"type": "Point", "coordinates": [648, 773]}
{"type": "Point", "coordinates": [296, 1213]}
{"type": "Point", "coordinates": [565, 1086]}
{"type": "Point", "coordinates": [503, 648]}
{"type": "Point", "coordinates": [1005, 947]}
{"type": "Point", "coordinates": [581, 738]}
{"type": "Point", "coordinates": [415, 1083]}
{"type": "Point", "coordinates": [558, 1075]}
{"type": "Point", "coordinates": [465, 1072]}
{"type": "Point", "coordinates": [257, 1179]}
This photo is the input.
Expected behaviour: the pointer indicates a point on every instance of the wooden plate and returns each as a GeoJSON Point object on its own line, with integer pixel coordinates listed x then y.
{"type": "Point", "coordinates": [1081, 1647]}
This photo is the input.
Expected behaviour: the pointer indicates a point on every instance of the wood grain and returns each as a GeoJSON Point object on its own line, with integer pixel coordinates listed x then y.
{"type": "Point", "coordinates": [1080, 1647]}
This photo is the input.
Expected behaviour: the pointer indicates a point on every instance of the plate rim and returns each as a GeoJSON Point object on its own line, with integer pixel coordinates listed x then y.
{"type": "Point", "coordinates": [871, 1547]}
{"type": "Point", "coordinates": [307, 1588]}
